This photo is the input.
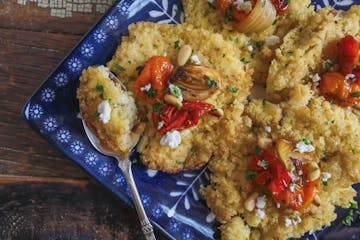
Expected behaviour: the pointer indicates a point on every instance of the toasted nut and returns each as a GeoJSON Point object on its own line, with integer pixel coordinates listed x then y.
{"type": "Point", "coordinates": [255, 235]}
{"type": "Point", "coordinates": [217, 112]}
{"type": "Point", "coordinates": [284, 148]}
{"type": "Point", "coordinates": [173, 100]}
{"type": "Point", "coordinates": [265, 143]}
{"type": "Point", "coordinates": [250, 202]}
{"type": "Point", "coordinates": [184, 54]}
{"type": "Point", "coordinates": [313, 171]}
{"type": "Point", "coordinates": [316, 200]}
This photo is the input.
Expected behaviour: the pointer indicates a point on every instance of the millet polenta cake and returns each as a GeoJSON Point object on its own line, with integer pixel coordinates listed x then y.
{"type": "Point", "coordinates": [207, 92]}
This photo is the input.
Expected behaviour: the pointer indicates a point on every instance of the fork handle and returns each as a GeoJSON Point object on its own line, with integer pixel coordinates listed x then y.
{"type": "Point", "coordinates": [146, 227]}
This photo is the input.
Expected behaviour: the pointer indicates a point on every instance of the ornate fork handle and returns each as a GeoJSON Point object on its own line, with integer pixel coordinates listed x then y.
{"type": "Point", "coordinates": [146, 227]}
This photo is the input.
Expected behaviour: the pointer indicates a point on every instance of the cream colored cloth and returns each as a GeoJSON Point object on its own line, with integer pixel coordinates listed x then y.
{"type": "Point", "coordinates": [65, 8]}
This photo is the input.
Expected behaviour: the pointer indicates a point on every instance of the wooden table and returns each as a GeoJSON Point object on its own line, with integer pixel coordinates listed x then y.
{"type": "Point", "coordinates": [43, 195]}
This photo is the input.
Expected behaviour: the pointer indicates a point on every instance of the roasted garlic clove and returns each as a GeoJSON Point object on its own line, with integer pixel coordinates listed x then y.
{"type": "Point", "coordinates": [284, 148]}
{"type": "Point", "coordinates": [196, 82]}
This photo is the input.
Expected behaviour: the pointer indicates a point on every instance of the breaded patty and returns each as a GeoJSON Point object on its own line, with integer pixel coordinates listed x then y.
{"type": "Point", "coordinates": [116, 131]}
{"type": "Point", "coordinates": [211, 134]}
{"type": "Point", "coordinates": [252, 48]}
{"type": "Point", "coordinates": [307, 47]}
{"type": "Point", "coordinates": [335, 134]}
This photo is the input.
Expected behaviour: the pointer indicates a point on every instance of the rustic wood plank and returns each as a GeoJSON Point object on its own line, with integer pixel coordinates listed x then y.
{"type": "Point", "coordinates": [31, 17]}
{"type": "Point", "coordinates": [59, 211]}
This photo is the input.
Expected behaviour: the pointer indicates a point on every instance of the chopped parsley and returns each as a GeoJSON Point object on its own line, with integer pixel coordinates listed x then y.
{"type": "Point", "coordinates": [235, 102]}
{"type": "Point", "coordinates": [324, 157]}
{"type": "Point", "coordinates": [100, 88]}
{"type": "Point", "coordinates": [327, 65]}
{"type": "Point", "coordinates": [129, 62]}
{"type": "Point", "coordinates": [109, 100]}
{"type": "Point", "coordinates": [157, 110]}
{"type": "Point", "coordinates": [264, 164]}
{"type": "Point", "coordinates": [354, 205]}
{"type": "Point", "coordinates": [250, 175]}
{"type": "Point", "coordinates": [354, 151]}
{"type": "Point", "coordinates": [176, 44]}
{"type": "Point", "coordinates": [175, 90]}
{"type": "Point", "coordinates": [306, 141]}
{"type": "Point", "coordinates": [274, 22]}
{"type": "Point", "coordinates": [211, 82]}
{"type": "Point", "coordinates": [348, 219]}
{"type": "Point", "coordinates": [308, 5]}
{"type": "Point", "coordinates": [228, 13]}
{"type": "Point", "coordinates": [151, 93]}
{"type": "Point", "coordinates": [252, 55]}
{"type": "Point", "coordinates": [193, 151]}
{"type": "Point", "coordinates": [179, 162]}
{"type": "Point", "coordinates": [325, 183]}
{"type": "Point", "coordinates": [243, 60]}
{"type": "Point", "coordinates": [139, 69]}
{"type": "Point", "coordinates": [264, 102]}
{"type": "Point", "coordinates": [258, 151]}
{"type": "Point", "coordinates": [233, 89]}
{"type": "Point", "coordinates": [96, 114]}
{"type": "Point", "coordinates": [121, 68]}
{"type": "Point", "coordinates": [159, 101]}
{"type": "Point", "coordinates": [355, 94]}
{"type": "Point", "coordinates": [258, 44]}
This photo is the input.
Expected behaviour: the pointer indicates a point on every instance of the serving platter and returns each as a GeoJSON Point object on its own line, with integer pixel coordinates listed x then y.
{"type": "Point", "coordinates": [172, 202]}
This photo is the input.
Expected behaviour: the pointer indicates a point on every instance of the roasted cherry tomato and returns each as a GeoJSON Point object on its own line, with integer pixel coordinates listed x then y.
{"type": "Point", "coordinates": [230, 12]}
{"type": "Point", "coordinates": [348, 53]}
{"type": "Point", "coordinates": [154, 76]}
{"type": "Point", "coordinates": [336, 87]}
{"type": "Point", "coordinates": [272, 172]}
{"type": "Point", "coordinates": [179, 119]}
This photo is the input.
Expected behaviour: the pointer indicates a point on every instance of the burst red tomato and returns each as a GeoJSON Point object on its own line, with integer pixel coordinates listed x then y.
{"type": "Point", "coordinates": [179, 119]}
{"type": "Point", "coordinates": [280, 5]}
{"type": "Point", "coordinates": [348, 53]}
{"type": "Point", "coordinates": [155, 74]}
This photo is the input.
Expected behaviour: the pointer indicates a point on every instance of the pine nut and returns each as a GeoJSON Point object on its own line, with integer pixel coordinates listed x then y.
{"type": "Point", "coordinates": [265, 143]}
{"type": "Point", "coordinates": [313, 171]}
{"type": "Point", "coordinates": [173, 100]}
{"type": "Point", "coordinates": [184, 54]}
{"type": "Point", "coordinates": [250, 202]}
{"type": "Point", "coordinates": [317, 200]}
{"type": "Point", "coordinates": [217, 112]}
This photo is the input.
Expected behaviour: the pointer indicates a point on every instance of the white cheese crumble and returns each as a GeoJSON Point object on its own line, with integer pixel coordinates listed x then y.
{"type": "Point", "coordinates": [104, 70]}
{"type": "Point", "coordinates": [350, 76]}
{"type": "Point", "coordinates": [146, 88]}
{"type": "Point", "coordinates": [315, 78]}
{"type": "Point", "coordinates": [160, 125]}
{"type": "Point", "coordinates": [325, 176]}
{"type": "Point", "coordinates": [303, 147]}
{"type": "Point", "coordinates": [195, 59]}
{"type": "Point", "coordinates": [260, 213]}
{"type": "Point", "coordinates": [277, 205]}
{"type": "Point", "coordinates": [165, 54]}
{"type": "Point", "coordinates": [211, 1]}
{"type": "Point", "coordinates": [268, 129]}
{"type": "Point", "coordinates": [292, 187]}
{"type": "Point", "coordinates": [104, 111]}
{"type": "Point", "coordinates": [242, 5]}
{"type": "Point", "coordinates": [261, 202]}
{"type": "Point", "coordinates": [176, 91]}
{"type": "Point", "coordinates": [272, 40]}
{"type": "Point", "coordinates": [288, 222]}
{"type": "Point", "coordinates": [263, 163]}
{"type": "Point", "coordinates": [250, 47]}
{"type": "Point", "coordinates": [171, 138]}
{"type": "Point", "coordinates": [300, 172]}
{"type": "Point", "coordinates": [300, 198]}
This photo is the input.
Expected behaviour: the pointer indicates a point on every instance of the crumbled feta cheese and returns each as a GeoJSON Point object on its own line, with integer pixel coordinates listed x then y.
{"type": "Point", "coordinates": [292, 187]}
{"type": "Point", "coordinates": [250, 47]}
{"type": "Point", "coordinates": [268, 129]}
{"type": "Point", "coordinates": [176, 91]}
{"type": "Point", "coordinates": [104, 111]}
{"type": "Point", "coordinates": [277, 205]}
{"type": "Point", "coordinates": [325, 176]}
{"type": "Point", "coordinates": [165, 54]}
{"type": "Point", "coordinates": [300, 172]}
{"type": "Point", "coordinates": [300, 198]}
{"type": "Point", "coordinates": [242, 5]}
{"type": "Point", "coordinates": [146, 88]}
{"type": "Point", "coordinates": [288, 222]}
{"type": "Point", "coordinates": [315, 78]}
{"type": "Point", "coordinates": [104, 70]}
{"type": "Point", "coordinates": [160, 125]}
{"type": "Point", "coordinates": [171, 138]}
{"type": "Point", "coordinates": [350, 76]}
{"type": "Point", "coordinates": [195, 59]}
{"type": "Point", "coordinates": [303, 147]}
{"type": "Point", "coordinates": [260, 213]}
{"type": "Point", "coordinates": [211, 1]}
{"type": "Point", "coordinates": [272, 40]}
{"type": "Point", "coordinates": [261, 202]}
{"type": "Point", "coordinates": [263, 163]}
{"type": "Point", "coordinates": [297, 220]}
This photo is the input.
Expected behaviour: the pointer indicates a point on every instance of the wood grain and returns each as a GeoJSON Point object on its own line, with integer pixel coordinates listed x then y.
{"type": "Point", "coordinates": [43, 195]}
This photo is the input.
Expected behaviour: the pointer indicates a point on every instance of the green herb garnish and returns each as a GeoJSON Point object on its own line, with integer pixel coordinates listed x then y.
{"type": "Point", "coordinates": [151, 93]}
{"type": "Point", "coordinates": [243, 60]}
{"type": "Point", "coordinates": [306, 141]}
{"type": "Point", "coordinates": [348, 219]}
{"type": "Point", "coordinates": [121, 68]}
{"type": "Point", "coordinates": [211, 82]}
{"type": "Point", "coordinates": [179, 162]}
{"type": "Point", "coordinates": [354, 151]}
{"type": "Point", "coordinates": [327, 65]}
{"type": "Point", "coordinates": [235, 102]}
{"type": "Point", "coordinates": [100, 88]}
{"type": "Point", "coordinates": [157, 110]}
{"type": "Point", "coordinates": [228, 13]}
{"type": "Point", "coordinates": [176, 44]}
{"type": "Point", "coordinates": [250, 175]}
{"type": "Point", "coordinates": [355, 94]}
{"type": "Point", "coordinates": [233, 89]}
{"type": "Point", "coordinates": [258, 151]}
{"type": "Point", "coordinates": [96, 114]}
{"type": "Point", "coordinates": [264, 102]}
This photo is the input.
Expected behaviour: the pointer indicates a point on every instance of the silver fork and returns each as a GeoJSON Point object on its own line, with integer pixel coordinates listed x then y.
{"type": "Point", "coordinates": [124, 164]}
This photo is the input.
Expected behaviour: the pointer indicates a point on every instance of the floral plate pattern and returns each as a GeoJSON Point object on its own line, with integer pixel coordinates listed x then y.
{"type": "Point", "coordinates": [176, 208]}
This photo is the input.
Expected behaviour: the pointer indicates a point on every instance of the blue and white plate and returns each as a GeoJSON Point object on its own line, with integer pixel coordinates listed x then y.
{"type": "Point", "coordinates": [176, 207]}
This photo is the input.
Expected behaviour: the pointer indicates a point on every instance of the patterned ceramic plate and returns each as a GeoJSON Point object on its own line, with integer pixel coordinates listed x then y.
{"type": "Point", "coordinates": [176, 208]}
